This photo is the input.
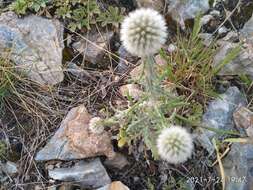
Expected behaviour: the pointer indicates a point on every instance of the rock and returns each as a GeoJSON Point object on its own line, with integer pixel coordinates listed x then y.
{"type": "Point", "coordinates": [35, 45]}
{"type": "Point", "coordinates": [9, 168]}
{"type": "Point", "coordinates": [242, 64]}
{"type": "Point", "coordinates": [219, 116]}
{"type": "Point", "coordinates": [231, 37]}
{"type": "Point", "coordinates": [247, 31]}
{"type": "Point", "coordinates": [222, 31]}
{"type": "Point", "coordinates": [215, 13]}
{"type": "Point", "coordinates": [206, 19]}
{"type": "Point", "coordinates": [131, 90]}
{"type": "Point", "coordinates": [125, 60]}
{"type": "Point", "coordinates": [119, 161]}
{"type": "Point", "coordinates": [79, 73]}
{"type": "Point", "coordinates": [158, 5]}
{"type": "Point", "coordinates": [90, 174]}
{"type": "Point", "coordinates": [116, 185]}
{"type": "Point", "coordinates": [93, 49]}
{"type": "Point", "coordinates": [238, 167]}
{"type": "Point", "coordinates": [138, 72]}
{"type": "Point", "coordinates": [207, 38]}
{"type": "Point", "coordinates": [74, 140]}
{"type": "Point", "coordinates": [187, 9]}
{"type": "Point", "coordinates": [243, 118]}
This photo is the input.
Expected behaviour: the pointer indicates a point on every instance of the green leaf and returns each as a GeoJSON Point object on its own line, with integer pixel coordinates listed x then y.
{"type": "Point", "coordinates": [196, 27]}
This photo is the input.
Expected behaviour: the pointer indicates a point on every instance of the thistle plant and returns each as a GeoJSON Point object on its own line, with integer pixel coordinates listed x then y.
{"type": "Point", "coordinates": [143, 33]}
{"type": "Point", "coordinates": [175, 144]}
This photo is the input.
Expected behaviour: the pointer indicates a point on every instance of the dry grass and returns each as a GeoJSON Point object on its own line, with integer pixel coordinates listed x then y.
{"type": "Point", "coordinates": [32, 112]}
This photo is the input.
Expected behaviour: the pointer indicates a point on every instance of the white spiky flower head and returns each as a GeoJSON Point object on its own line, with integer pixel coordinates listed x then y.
{"type": "Point", "coordinates": [143, 32]}
{"type": "Point", "coordinates": [175, 144]}
{"type": "Point", "coordinates": [95, 125]}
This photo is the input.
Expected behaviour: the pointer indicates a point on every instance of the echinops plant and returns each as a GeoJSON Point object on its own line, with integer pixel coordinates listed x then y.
{"type": "Point", "coordinates": [96, 125]}
{"type": "Point", "coordinates": [175, 144]}
{"type": "Point", "coordinates": [143, 33]}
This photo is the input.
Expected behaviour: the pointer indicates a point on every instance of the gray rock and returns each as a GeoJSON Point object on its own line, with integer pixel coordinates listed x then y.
{"type": "Point", "coordinates": [215, 13]}
{"type": "Point", "coordinates": [231, 37]}
{"type": "Point", "coordinates": [90, 174]}
{"type": "Point", "coordinates": [206, 19]}
{"type": "Point", "coordinates": [106, 187]}
{"type": "Point", "coordinates": [9, 168]}
{"type": "Point", "coordinates": [207, 38]}
{"type": "Point", "coordinates": [119, 161]}
{"type": "Point", "coordinates": [93, 49]}
{"type": "Point", "coordinates": [242, 64]}
{"type": "Point", "coordinates": [238, 167]}
{"type": "Point", "coordinates": [247, 31]}
{"type": "Point", "coordinates": [126, 60]}
{"type": "Point", "coordinates": [187, 9]}
{"type": "Point", "coordinates": [79, 73]}
{"type": "Point", "coordinates": [35, 45]}
{"type": "Point", "coordinates": [219, 115]}
{"type": "Point", "coordinates": [222, 31]}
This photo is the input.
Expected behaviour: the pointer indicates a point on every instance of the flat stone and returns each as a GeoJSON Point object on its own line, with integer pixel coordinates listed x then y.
{"type": "Point", "coordinates": [119, 161]}
{"type": "Point", "coordinates": [187, 9]}
{"type": "Point", "coordinates": [242, 64]}
{"type": "Point", "coordinates": [247, 31]}
{"type": "Point", "coordinates": [9, 168]}
{"type": "Point", "coordinates": [126, 60]}
{"type": "Point", "coordinates": [219, 115]}
{"type": "Point", "coordinates": [93, 49]}
{"type": "Point", "coordinates": [74, 140]}
{"type": "Point", "coordinates": [90, 174]}
{"type": "Point", "coordinates": [238, 167]}
{"type": "Point", "coordinates": [207, 38]}
{"type": "Point", "coordinates": [35, 45]}
{"type": "Point", "coordinates": [206, 19]}
{"type": "Point", "coordinates": [243, 118]}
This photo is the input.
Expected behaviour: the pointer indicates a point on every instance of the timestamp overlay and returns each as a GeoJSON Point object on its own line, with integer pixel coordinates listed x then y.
{"type": "Point", "coordinates": [202, 181]}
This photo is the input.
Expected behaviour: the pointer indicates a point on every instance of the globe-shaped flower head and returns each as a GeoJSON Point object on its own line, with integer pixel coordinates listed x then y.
{"type": "Point", "coordinates": [95, 125]}
{"type": "Point", "coordinates": [175, 145]}
{"type": "Point", "coordinates": [143, 32]}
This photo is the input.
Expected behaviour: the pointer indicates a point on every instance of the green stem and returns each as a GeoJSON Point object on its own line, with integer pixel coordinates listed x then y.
{"type": "Point", "coordinates": [150, 75]}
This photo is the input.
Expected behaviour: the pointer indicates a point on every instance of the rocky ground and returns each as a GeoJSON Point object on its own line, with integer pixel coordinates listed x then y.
{"type": "Point", "coordinates": [64, 78]}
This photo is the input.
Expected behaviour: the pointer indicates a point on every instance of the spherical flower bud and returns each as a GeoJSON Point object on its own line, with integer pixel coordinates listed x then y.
{"type": "Point", "coordinates": [95, 125]}
{"type": "Point", "coordinates": [143, 32]}
{"type": "Point", "coordinates": [175, 144]}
